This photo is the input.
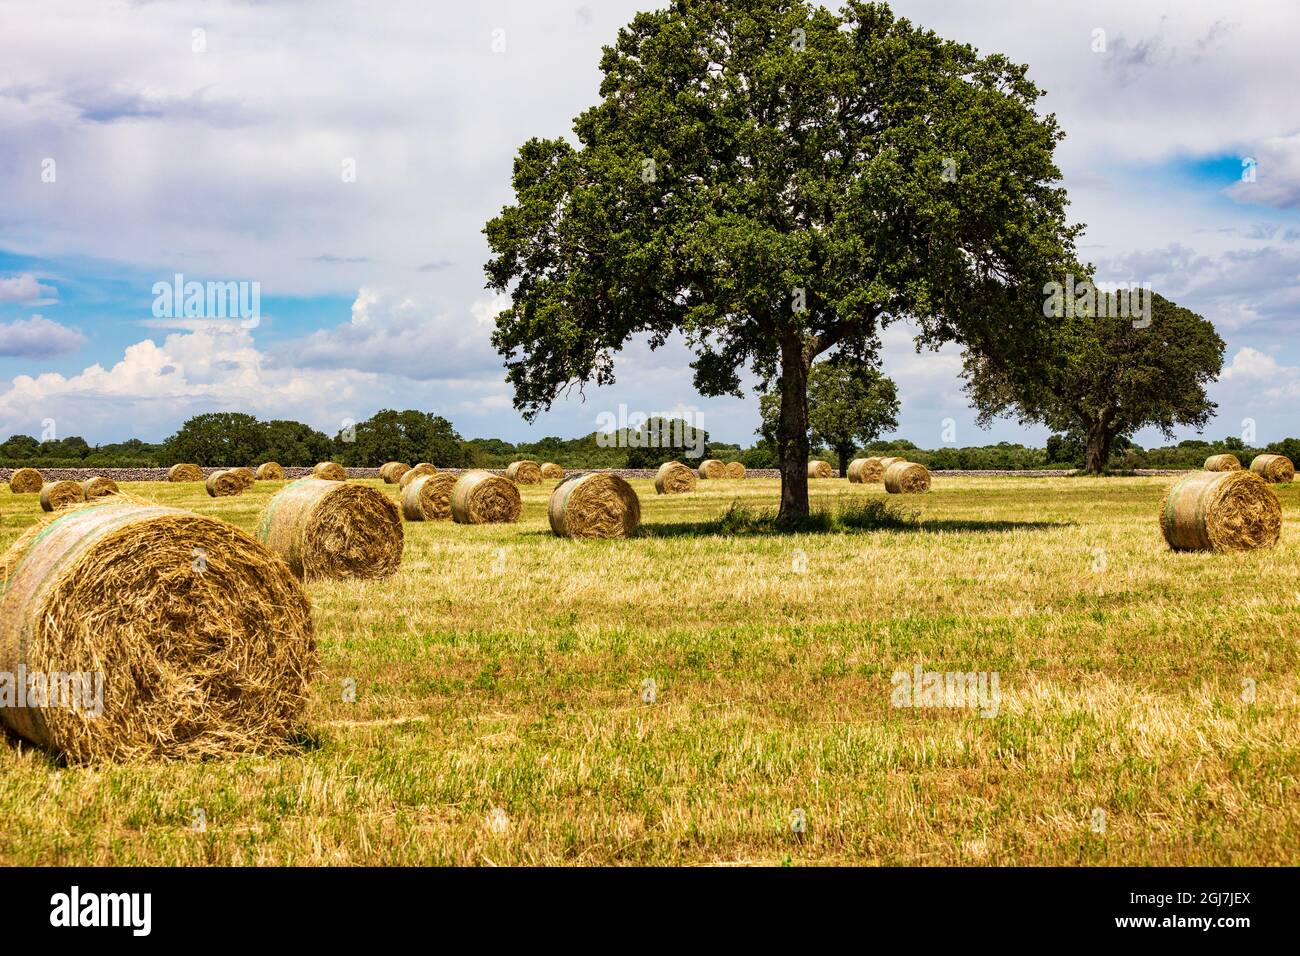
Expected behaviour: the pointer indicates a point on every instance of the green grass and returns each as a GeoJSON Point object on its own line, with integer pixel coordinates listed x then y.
{"type": "Point", "coordinates": [503, 668]}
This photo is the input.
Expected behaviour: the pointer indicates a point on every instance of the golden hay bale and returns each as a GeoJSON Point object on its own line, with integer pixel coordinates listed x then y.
{"type": "Point", "coordinates": [820, 469]}
{"type": "Point", "coordinates": [26, 481]}
{"type": "Point", "coordinates": [1221, 511]}
{"type": "Point", "coordinates": [98, 487]}
{"type": "Point", "coordinates": [329, 471]}
{"type": "Point", "coordinates": [184, 472]}
{"type": "Point", "coordinates": [247, 477]}
{"type": "Point", "coordinates": [674, 478]}
{"type": "Point", "coordinates": [735, 469]}
{"type": "Point", "coordinates": [428, 497]}
{"type": "Point", "coordinates": [1275, 468]}
{"type": "Point", "coordinates": [269, 471]}
{"type": "Point", "coordinates": [224, 484]}
{"type": "Point", "coordinates": [330, 529]}
{"type": "Point", "coordinates": [551, 470]}
{"type": "Point", "coordinates": [594, 506]}
{"type": "Point", "coordinates": [885, 462]}
{"type": "Point", "coordinates": [524, 472]}
{"type": "Point", "coordinates": [195, 639]}
{"type": "Point", "coordinates": [392, 471]}
{"type": "Point", "coordinates": [60, 494]}
{"type": "Point", "coordinates": [866, 471]}
{"type": "Point", "coordinates": [712, 469]}
{"type": "Point", "coordinates": [907, 478]}
{"type": "Point", "coordinates": [1222, 463]}
{"type": "Point", "coordinates": [408, 476]}
{"type": "Point", "coordinates": [481, 497]}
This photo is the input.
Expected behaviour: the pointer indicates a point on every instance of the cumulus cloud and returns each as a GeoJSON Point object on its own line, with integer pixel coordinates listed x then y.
{"type": "Point", "coordinates": [26, 288]}
{"type": "Point", "coordinates": [1277, 175]}
{"type": "Point", "coordinates": [38, 338]}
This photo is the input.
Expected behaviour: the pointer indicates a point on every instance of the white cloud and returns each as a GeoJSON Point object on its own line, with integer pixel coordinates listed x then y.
{"type": "Point", "coordinates": [38, 338]}
{"type": "Point", "coordinates": [25, 288]}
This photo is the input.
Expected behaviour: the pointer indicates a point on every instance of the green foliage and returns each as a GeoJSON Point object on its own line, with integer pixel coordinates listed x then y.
{"type": "Point", "coordinates": [848, 515]}
{"type": "Point", "coordinates": [661, 440]}
{"type": "Point", "coordinates": [217, 438]}
{"type": "Point", "coordinates": [409, 436]}
{"type": "Point", "coordinates": [295, 445]}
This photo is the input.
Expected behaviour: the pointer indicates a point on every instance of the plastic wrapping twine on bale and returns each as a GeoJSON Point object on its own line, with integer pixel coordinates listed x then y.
{"type": "Point", "coordinates": [866, 471]}
{"type": "Point", "coordinates": [61, 494]}
{"type": "Point", "coordinates": [481, 497]}
{"type": "Point", "coordinates": [907, 478]}
{"type": "Point", "coordinates": [330, 471]}
{"type": "Point", "coordinates": [674, 478]}
{"type": "Point", "coordinates": [524, 472]}
{"type": "Point", "coordinates": [98, 487]}
{"type": "Point", "coordinates": [735, 469]}
{"type": "Point", "coordinates": [712, 469]}
{"type": "Point", "coordinates": [1221, 511]}
{"type": "Point", "coordinates": [551, 470]}
{"type": "Point", "coordinates": [184, 472]}
{"type": "Point", "coordinates": [595, 506]}
{"type": "Point", "coordinates": [269, 471]}
{"type": "Point", "coordinates": [1222, 463]}
{"type": "Point", "coordinates": [820, 469]}
{"type": "Point", "coordinates": [392, 471]}
{"type": "Point", "coordinates": [26, 481]}
{"type": "Point", "coordinates": [160, 633]}
{"type": "Point", "coordinates": [1274, 468]}
{"type": "Point", "coordinates": [331, 529]}
{"type": "Point", "coordinates": [224, 484]}
{"type": "Point", "coordinates": [408, 476]}
{"type": "Point", "coordinates": [428, 498]}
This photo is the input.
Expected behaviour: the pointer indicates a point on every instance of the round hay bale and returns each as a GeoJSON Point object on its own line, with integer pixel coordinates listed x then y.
{"type": "Point", "coordinates": [184, 472]}
{"type": "Point", "coordinates": [247, 477]}
{"type": "Point", "coordinates": [712, 469]}
{"type": "Point", "coordinates": [907, 478]}
{"type": "Point", "coordinates": [330, 529]}
{"type": "Point", "coordinates": [408, 476]}
{"type": "Point", "coordinates": [524, 472]}
{"type": "Point", "coordinates": [1221, 511]}
{"type": "Point", "coordinates": [885, 462]}
{"type": "Point", "coordinates": [224, 484]}
{"type": "Point", "coordinates": [189, 658]}
{"type": "Point", "coordinates": [866, 471]}
{"type": "Point", "coordinates": [330, 471]}
{"type": "Point", "coordinates": [595, 505]}
{"type": "Point", "coordinates": [551, 470]}
{"type": "Point", "coordinates": [735, 469]}
{"type": "Point", "coordinates": [61, 494]}
{"type": "Point", "coordinates": [26, 481]}
{"type": "Point", "coordinates": [820, 469]}
{"type": "Point", "coordinates": [98, 487]}
{"type": "Point", "coordinates": [674, 478]}
{"type": "Point", "coordinates": [392, 471]}
{"type": "Point", "coordinates": [1277, 469]}
{"type": "Point", "coordinates": [428, 497]}
{"type": "Point", "coordinates": [481, 497]}
{"type": "Point", "coordinates": [269, 471]}
{"type": "Point", "coordinates": [1222, 463]}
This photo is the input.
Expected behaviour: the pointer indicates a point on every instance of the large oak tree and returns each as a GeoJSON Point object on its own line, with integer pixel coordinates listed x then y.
{"type": "Point", "coordinates": [772, 180]}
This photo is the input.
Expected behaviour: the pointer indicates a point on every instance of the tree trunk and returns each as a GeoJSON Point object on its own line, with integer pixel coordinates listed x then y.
{"type": "Point", "coordinates": [844, 454]}
{"type": "Point", "coordinates": [793, 431]}
{"type": "Point", "coordinates": [1096, 457]}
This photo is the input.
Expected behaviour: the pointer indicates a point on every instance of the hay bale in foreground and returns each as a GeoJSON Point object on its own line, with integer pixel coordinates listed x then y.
{"type": "Point", "coordinates": [224, 484]}
{"type": "Point", "coordinates": [1222, 463]}
{"type": "Point", "coordinates": [329, 471]}
{"type": "Point", "coordinates": [392, 471]}
{"type": "Point", "coordinates": [408, 476]}
{"type": "Point", "coordinates": [331, 529]}
{"type": "Point", "coordinates": [269, 471]}
{"type": "Point", "coordinates": [481, 497]}
{"type": "Point", "coordinates": [1221, 511]}
{"type": "Point", "coordinates": [184, 472]}
{"type": "Point", "coordinates": [712, 469]}
{"type": "Point", "coordinates": [820, 469]}
{"type": "Point", "coordinates": [26, 481]}
{"type": "Point", "coordinates": [674, 478]}
{"type": "Point", "coordinates": [197, 660]}
{"type": "Point", "coordinates": [735, 469]}
{"type": "Point", "coordinates": [61, 494]}
{"type": "Point", "coordinates": [524, 472]}
{"type": "Point", "coordinates": [1277, 469]}
{"type": "Point", "coordinates": [886, 461]}
{"type": "Point", "coordinates": [98, 487]}
{"type": "Point", "coordinates": [907, 478]}
{"type": "Point", "coordinates": [551, 470]}
{"type": "Point", "coordinates": [428, 498]}
{"type": "Point", "coordinates": [866, 471]}
{"type": "Point", "coordinates": [594, 506]}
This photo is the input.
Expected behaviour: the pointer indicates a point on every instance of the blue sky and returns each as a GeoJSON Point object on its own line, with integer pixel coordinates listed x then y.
{"type": "Point", "coordinates": [224, 155]}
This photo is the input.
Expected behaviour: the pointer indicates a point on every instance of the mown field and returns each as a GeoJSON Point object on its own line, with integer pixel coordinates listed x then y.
{"type": "Point", "coordinates": [501, 712]}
